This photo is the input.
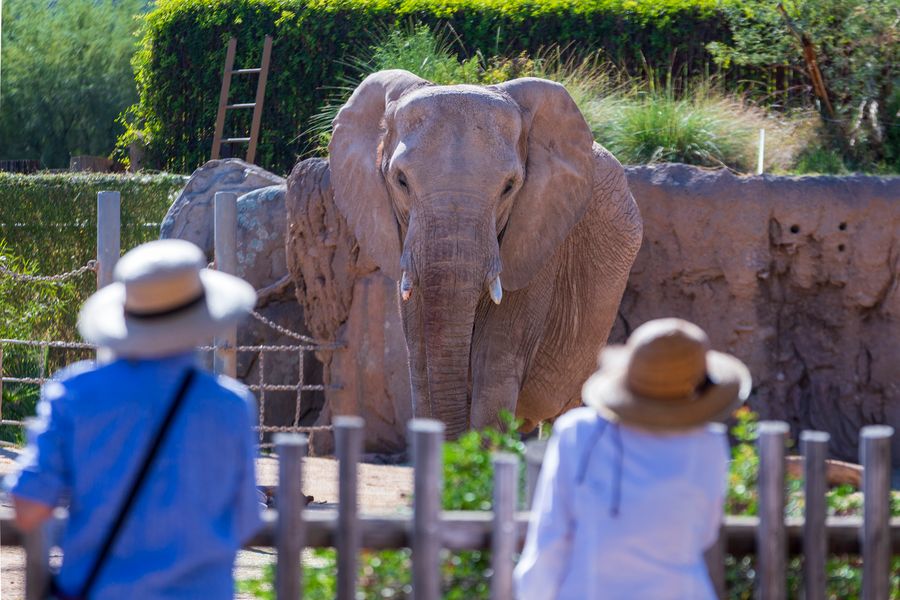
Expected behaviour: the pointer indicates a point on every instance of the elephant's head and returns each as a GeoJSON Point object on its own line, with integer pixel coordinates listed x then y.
{"type": "Point", "coordinates": [458, 193]}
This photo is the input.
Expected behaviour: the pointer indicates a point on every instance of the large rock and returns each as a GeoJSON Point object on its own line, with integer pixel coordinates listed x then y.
{"type": "Point", "coordinates": [191, 215]}
{"type": "Point", "coordinates": [261, 229]}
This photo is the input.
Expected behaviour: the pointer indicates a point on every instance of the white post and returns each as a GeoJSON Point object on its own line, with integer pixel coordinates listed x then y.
{"type": "Point", "coordinates": [762, 152]}
{"type": "Point", "coordinates": [225, 360]}
{"type": "Point", "coordinates": [109, 241]}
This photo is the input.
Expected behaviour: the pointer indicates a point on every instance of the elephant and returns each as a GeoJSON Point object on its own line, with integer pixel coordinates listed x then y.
{"type": "Point", "coordinates": [509, 232]}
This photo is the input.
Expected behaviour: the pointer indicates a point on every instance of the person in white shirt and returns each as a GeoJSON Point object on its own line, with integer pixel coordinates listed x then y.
{"type": "Point", "coordinates": [632, 485]}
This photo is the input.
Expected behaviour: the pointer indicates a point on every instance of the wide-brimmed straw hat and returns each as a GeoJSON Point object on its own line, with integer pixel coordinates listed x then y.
{"type": "Point", "coordinates": [666, 377]}
{"type": "Point", "coordinates": [163, 302]}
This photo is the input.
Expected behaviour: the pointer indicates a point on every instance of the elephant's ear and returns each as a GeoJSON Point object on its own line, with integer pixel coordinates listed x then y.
{"type": "Point", "coordinates": [558, 177]}
{"type": "Point", "coordinates": [360, 192]}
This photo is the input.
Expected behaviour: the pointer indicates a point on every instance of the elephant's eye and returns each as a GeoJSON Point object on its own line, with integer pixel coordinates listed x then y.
{"type": "Point", "coordinates": [509, 186]}
{"type": "Point", "coordinates": [401, 180]}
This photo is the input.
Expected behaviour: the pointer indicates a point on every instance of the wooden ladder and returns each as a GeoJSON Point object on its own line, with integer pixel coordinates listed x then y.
{"type": "Point", "coordinates": [263, 73]}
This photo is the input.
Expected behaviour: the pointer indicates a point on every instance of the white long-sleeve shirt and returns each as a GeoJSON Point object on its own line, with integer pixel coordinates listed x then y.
{"type": "Point", "coordinates": [621, 513]}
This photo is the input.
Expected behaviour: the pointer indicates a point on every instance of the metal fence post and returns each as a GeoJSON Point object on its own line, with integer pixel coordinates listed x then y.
{"type": "Point", "coordinates": [225, 360]}
{"type": "Point", "coordinates": [348, 437]}
{"type": "Point", "coordinates": [291, 448]}
{"type": "Point", "coordinates": [109, 236]}
{"type": "Point", "coordinates": [875, 455]}
{"type": "Point", "coordinates": [503, 541]}
{"type": "Point", "coordinates": [426, 438]}
{"type": "Point", "coordinates": [771, 547]}
{"type": "Point", "coordinates": [814, 445]}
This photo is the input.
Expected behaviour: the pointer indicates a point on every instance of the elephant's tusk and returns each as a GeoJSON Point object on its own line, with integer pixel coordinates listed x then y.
{"type": "Point", "coordinates": [496, 290]}
{"type": "Point", "coordinates": [405, 286]}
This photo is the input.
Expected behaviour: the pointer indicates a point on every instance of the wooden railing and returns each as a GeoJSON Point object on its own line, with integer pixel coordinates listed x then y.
{"type": "Point", "coordinates": [426, 529]}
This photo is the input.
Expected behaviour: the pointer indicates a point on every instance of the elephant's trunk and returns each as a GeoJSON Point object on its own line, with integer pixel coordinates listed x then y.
{"type": "Point", "coordinates": [451, 265]}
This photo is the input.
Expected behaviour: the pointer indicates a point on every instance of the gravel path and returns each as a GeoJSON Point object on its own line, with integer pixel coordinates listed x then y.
{"type": "Point", "coordinates": [382, 488]}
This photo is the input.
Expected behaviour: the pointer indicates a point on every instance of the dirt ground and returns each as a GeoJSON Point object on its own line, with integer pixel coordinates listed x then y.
{"type": "Point", "coordinates": [382, 488]}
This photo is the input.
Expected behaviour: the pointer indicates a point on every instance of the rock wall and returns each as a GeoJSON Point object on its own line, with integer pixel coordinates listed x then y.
{"type": "Point", "coordinates": [798, 277]}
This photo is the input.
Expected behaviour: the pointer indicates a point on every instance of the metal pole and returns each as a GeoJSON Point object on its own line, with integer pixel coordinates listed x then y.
{"type": "Point", "coordinates": [503, 541]}
{"type": "Point", "coordinates": [108, 236]}
{"type": "Point", "coordinates": [289, 534]}
{"type": "Point", "coordinates": [771, 546]}
{"type": "Point", "coordinates": [814, 445]}
{"type": "Point", "coordinates": [225, 360]}
{"type": "Point", "coordinates": [875, 455]}
{"type": "Point", "coordinates": [348, 436]}
{"type": "Point", "coordinates": [426, 437]}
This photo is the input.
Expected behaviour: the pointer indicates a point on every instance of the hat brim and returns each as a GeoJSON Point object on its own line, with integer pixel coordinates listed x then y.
{"type": "Point", "coordinates": [103, 321]}
{"type": "Point", "coordinates": [607, 392]}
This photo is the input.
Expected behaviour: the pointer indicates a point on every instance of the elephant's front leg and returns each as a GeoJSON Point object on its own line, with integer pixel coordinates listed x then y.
{"type": "Point", "coordinates": [504, 341]}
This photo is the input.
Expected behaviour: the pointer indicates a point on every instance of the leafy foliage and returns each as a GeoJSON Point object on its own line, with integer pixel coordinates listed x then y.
{"type": "Point", "coordinates": [66, 77]}
{"type": "Point", "coordinates": [178, 67]}
{"type": "Point", "coordinates": [857, 45]}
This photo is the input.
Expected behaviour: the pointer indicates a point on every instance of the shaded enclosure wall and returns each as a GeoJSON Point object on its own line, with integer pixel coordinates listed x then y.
{"type": "Point", "coordinates": [798, 277]}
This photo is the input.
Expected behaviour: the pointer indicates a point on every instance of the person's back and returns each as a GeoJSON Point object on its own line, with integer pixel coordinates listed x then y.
{"type": "Point", "coordinates": [96, 425]}
{"type": "Point", "coordinates": [632, 486]}
{"type": "Point", "coordinates": [619, 483]}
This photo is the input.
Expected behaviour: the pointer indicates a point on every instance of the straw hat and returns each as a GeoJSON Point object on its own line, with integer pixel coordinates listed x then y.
{"type": "Point", "coordinates": [667, 378]}
{"type": "Point", "coordinates": [163, 301]}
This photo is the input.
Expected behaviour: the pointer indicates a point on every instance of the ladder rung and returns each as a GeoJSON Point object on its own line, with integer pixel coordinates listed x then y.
{"type": "Point", "coordinates": [246, 71]}
{"type": "Point", "coordinates": [235, 140]}
{"type": "Point", "coordinates": [245, 105]}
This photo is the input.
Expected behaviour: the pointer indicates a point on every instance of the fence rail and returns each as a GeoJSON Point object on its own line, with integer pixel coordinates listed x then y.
{"type": "Point", "coordinates": [426, 529]}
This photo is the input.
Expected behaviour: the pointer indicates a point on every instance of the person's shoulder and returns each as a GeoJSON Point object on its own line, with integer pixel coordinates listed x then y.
{"type": "Point", "coordinates": [576, 422]}
{"type": "Point", "coordinates": [225, 390]}
{"type": "Point", "coordinates": [68, 380]}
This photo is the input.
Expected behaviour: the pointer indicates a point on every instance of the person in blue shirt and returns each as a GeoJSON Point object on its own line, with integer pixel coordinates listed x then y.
{"type": "Point", "coordinates": [632, 486]}
{"type": "Point", "coordinates": [199, 502]}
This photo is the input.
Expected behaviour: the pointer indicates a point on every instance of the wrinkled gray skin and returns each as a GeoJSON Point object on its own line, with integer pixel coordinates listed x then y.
{"type": "Point", "coordinates": [448, 188]}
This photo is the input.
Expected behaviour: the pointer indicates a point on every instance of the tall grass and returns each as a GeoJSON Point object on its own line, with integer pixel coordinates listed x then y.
{"type": "Point", "coordinates": [639, 119]}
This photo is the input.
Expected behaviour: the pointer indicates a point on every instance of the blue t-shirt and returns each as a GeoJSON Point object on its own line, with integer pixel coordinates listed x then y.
{"type": "Point", "coordinates": [199, 502]}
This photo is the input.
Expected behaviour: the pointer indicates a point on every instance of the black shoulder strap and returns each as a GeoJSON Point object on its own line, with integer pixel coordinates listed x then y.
{"type": "Point", "coordinates": [136, 484]}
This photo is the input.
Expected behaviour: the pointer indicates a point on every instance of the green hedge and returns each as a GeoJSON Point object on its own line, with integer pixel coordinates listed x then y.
{"type": "Point", "coordinates": [179, 63]}
{"type": "Point", "coordinates": [51, 221]}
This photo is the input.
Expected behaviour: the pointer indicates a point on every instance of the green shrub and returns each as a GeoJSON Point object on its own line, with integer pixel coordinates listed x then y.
{"type": "Point", "coordinates": [178, 67]}
{"type": "Point", "coordinates": [66, 77]}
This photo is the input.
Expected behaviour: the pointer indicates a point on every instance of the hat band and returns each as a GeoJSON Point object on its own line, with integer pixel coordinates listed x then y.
{"type": "Point", "coordinates": [157, 314]}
